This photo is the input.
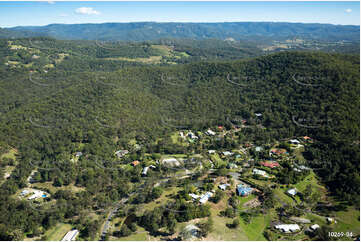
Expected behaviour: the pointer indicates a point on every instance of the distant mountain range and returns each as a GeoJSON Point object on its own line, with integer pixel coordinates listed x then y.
{"type": "Point", "coordinates": [141, 31]}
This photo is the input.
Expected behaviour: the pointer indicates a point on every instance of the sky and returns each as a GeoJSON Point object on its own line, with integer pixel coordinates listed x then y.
{"type": "Point", "coordinates": [38, 13]}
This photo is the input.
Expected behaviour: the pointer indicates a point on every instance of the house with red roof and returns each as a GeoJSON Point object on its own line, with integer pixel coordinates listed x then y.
{"type": "Point", "coordinates": [270, 164]}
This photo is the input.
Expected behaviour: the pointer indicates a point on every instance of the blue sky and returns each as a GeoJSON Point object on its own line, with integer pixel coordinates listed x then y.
{"type": "Point", "coordinates": [42, 13]}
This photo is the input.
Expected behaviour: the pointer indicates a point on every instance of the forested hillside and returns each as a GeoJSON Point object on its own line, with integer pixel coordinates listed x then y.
{"type": "Point", "coordinates": [85, 102]}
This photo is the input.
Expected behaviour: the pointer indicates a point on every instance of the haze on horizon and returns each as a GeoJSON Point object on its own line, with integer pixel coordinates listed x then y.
{"type": "Point", "coordinates": [22, 13]}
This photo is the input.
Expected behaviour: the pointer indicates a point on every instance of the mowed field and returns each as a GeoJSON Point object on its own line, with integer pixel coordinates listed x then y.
{"type": "Point", "coordinates": [58, 232]}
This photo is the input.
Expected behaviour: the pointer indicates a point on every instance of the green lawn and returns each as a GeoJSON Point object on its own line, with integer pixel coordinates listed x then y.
{"type": "Point", "coordinates": [348, 221]}
{"type": "Point", "coordinates": [254, 230]}
{"type": "Point", "coordinates": [58, 232]}
{"type": "Point", "coordinates": [11, 154]}
{"type": "Point", "coordinates": [140, 235]}
{"type": "Point", "coordinates": [280, 192]}
{"type": "Point", "coordinates": [310, 179]}
{"type": "Point", "coordinates": [243, 200]}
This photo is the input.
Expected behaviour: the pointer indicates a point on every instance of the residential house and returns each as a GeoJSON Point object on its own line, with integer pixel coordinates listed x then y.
{"type": "Point", "coordinates": [205, 197]}
{"type": "Point", "coordinates": [292, 191]}
{"type": "Point", "coordinates": [256, 171]}
{"type": "Point", "coordinates": [314, 227]}
{"type": "Point", "coordinates": [278, 152]}
{"type": "Point", "coordinates": [145, 169]}
{"type": "Point", "coordinates": [24, 193]}
{"type": "Point", "coordinates": [258, 114]}
{"type": "Point", "coordinates": [270, 164]}
{"type": "Point", "coordinates": [210, 132]}
{"type": "Point", "coordinates": [194, 196]}
{"type": "Point", "coordinates": [37, 194]}
{"type": "Point", "coordinates": [121, 153]}
{"type": "Point", "coordinates": [211, 151]}
{"type": "Point", "coordinates": [223, 186]}
{"type": "Point", "coordinates": [171, 162]}
{"type": "Point", "coordinates": [135, 163]}
{"type": "Point", "coordinates": [227, 153]}
{"type": "Point", "coordinates": [71, 235]}
{"type": "Point", "coordinates": [288, 228]}
{"type": "Point", "coordinates": [243, 190]}
{"type": "Point", "coordinates": [294, 141]}
{"type": "Point", "coordinates": [331, 220]}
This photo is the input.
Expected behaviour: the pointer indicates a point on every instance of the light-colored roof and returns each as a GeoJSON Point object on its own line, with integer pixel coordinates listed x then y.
{"type": "Point", "coordinates": [194, 196]}
{"type": "Point", "coordinates": [223, 186]}
{"type": "Point", "coordinates": [292, 191]}
{"type": "Point", "coordinates": [71, 235]}
{"type": "Point", "coordinates": [288, 227]}
{"type": "Point", "coordinates": [259, 172]}
{"type": "Point", "coordinates": [205, 197]}
{"type": "Point", "coordinates": [171, 161]}
{"type": "Point", "coordinates": [227, 153]}
{"type": "Point", "coordinates": [315, 226]}
{"type": "Point", "coordinates": [294, 141]}
{"type": "Point", "coordinates": [210, 132]}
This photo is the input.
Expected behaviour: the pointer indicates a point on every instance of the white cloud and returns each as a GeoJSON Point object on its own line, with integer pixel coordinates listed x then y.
{"type": "Point", "coordinates": [64, 15]}
{"type": "Point", "coordinates": [349, 10]}
{"type": "Point", "coordinates": [51, 2]}
{"type": "Point", "coordinates": [85, 10]}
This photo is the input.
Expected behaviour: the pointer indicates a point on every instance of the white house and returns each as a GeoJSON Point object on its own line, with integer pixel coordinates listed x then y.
{"type": "Point", "coordinates": [121, 153]}
{"type": "Point", "coordinates": [227, 153]}
{"type": "Point", "coordinates": [171, 162]}
{"type": "Point", "coordinates": [294, 141]}
{"type": "Point", "coordinates": [288, 228]}
{"type": "Point", "coordinates": [256, 171]}
{"type": "Point", "coordinates": [145, 169]}
{"type": "Point", "coordinates": [194, 196]}
{"type": "Point", "coordinates": [71, 235]}
{"type": "Point", "coordinates": [210, 132]}
{"type": "Point", "coordinates": [223, 186]}
{"type": "Point", "coordinates": [314, 227]}
{"type": "Point", "coordinates": [24, 192]}
{"type": "Point", "coordinates": [292, 191]}
{"type": "Point", "coordinates": [37, 194]}
{"type": "Point", "coordinates": [205, 197]}
{"type": "Point", "coordinates": [211, 151]}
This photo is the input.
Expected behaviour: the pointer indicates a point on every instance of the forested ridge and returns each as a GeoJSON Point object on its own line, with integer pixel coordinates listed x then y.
{"type": "Point", "coordinates": [151, 30]}
{"type": "Point", "coordinates": [104, 104]}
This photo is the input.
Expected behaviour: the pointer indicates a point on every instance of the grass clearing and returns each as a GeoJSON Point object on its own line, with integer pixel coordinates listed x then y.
{"type": "Point", "coordinates": [310, 179]}
{"type": "Point", "coordinates": [58, 232]}
{"type": "Point", "coordinates": [254, 230]}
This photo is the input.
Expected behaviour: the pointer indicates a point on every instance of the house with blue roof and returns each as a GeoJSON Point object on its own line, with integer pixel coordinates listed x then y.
{"type": "Point", "coordinates": [243, 190]}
